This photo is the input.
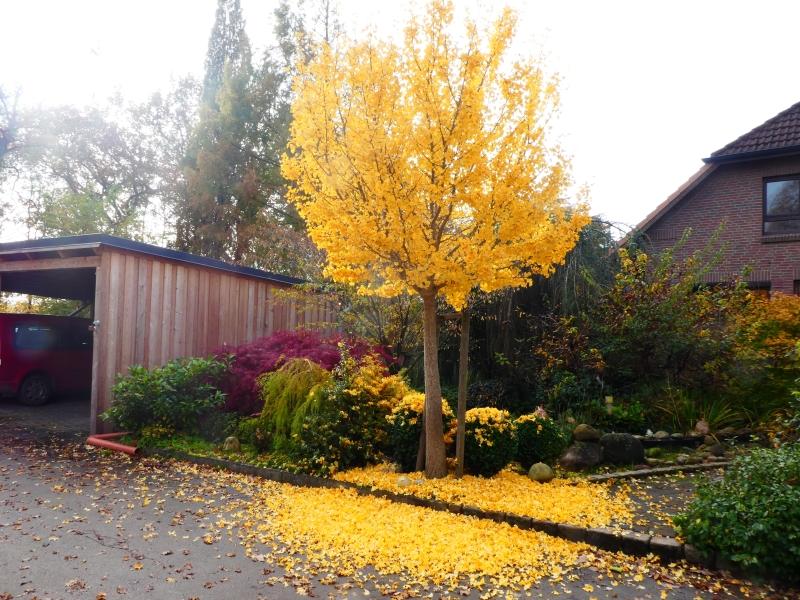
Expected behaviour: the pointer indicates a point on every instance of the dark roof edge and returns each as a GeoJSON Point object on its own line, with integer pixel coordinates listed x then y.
{"type": "Point", "coordinates": [101, 239]}
{"type": "Point", "coordinates": [659, 211]}
{"type": "Point", "coordinates": [754, 155]}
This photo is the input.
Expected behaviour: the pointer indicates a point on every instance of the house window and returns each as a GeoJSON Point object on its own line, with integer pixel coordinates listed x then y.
{"type": "Point", "coordinates": [782, 205]}
{"type": "Point", "coordinates": [759, 288]}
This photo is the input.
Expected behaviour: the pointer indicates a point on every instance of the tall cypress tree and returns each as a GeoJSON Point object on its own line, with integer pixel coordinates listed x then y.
{"type": "Point", "coordinates": [218, 166]}
{"type": "Point", "coordinates": [228, 45]}
{"type": "Point", "coordinates": [235, 208]}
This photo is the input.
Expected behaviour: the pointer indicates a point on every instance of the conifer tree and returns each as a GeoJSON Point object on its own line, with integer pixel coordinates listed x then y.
{"type": "Point", "coordinates": [228, 45]}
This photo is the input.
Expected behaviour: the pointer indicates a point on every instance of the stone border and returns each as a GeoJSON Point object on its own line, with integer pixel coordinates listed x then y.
{"type": "Point", "coordinates": [640, 473]}
{"type": "Point", "coordinates": [613, 539]}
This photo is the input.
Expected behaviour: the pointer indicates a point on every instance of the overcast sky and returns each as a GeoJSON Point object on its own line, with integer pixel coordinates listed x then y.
{"type": "Point", "coordinates": [649, 88]}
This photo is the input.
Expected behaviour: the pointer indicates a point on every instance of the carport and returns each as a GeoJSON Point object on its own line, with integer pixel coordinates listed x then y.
{"type": "Point", "coordinates": [153, 304]}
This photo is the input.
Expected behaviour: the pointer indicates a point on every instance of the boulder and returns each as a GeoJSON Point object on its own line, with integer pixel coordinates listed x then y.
{"type": "Point", "coordinates": [585, 433]}
{"type": "Point", "coordinates": [541, 472]}
{"type": "Point", "coordinates": [654, 452]}
{"type": "Point", "coordinates": [622, 449]}
{"type": "Point", "coordinates": [701, 427]}
{"type": "Point", "coordinates": [682, 459]}
{"type": "Point", "coordinates": [582, 455]}
{"type": "Point", "coordinates": [717, 450]}
{"type": "Point", "coordinates": [726, 432]}
{"type": "Point", "coordinates": [232, 444]}
{"type": "Point", "coordinates": [661, 435]}
{"type": "Point", "coordinates": [403, 481]}
{"type": "Point", "coordinates": [677, 436]}
{"type": "Point", "coordinates": [709, 440]}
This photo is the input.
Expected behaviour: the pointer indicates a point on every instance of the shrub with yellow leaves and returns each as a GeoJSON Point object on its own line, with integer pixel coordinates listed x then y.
{"type": "Point", "coordinates": [539, 438]}
{"type": "Point", "coordinates": [405, 428]}
{"type": "Point", "coordinates": [489, 443]}
{"type": "Point", "coordinates": [343, 423]}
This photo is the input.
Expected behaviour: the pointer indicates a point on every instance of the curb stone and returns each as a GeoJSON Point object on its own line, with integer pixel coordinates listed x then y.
{"type": "Point", "coordinates": [641, 473]}
{"type": "Point", "coordinates": [629, 542]}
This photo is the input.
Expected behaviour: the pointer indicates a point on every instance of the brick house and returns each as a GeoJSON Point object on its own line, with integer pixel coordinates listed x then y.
{"type": "Point", "coordinates": [751, 187]}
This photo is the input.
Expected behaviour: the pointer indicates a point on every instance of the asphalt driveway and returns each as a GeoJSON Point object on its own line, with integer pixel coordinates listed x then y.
{"type": "Point", "coordinates": [80, 523]}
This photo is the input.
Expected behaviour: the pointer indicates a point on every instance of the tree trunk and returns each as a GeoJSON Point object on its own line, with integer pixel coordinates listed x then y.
{"type": "Point", "coordinates": [421, 448]}
{"type": "Point", "coordinates": [435, 460]}
{"type": "Point", "coordinates": [463, 370]}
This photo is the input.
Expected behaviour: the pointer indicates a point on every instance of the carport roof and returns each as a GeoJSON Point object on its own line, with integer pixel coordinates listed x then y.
{"type": "Point", "coordinates": [25, 249]}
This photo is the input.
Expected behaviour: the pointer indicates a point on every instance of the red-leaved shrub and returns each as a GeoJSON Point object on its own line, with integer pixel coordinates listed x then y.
{"type": "Point", "coordinates": [268, 353]}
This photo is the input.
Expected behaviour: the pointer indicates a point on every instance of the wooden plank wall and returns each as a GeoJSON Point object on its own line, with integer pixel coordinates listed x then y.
{"type": "Point", "coordinates": [152, 310]}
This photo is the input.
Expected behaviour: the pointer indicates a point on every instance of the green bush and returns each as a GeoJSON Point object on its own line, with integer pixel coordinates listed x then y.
{"type": "Point", "coordinates": [624, 417]}
{"type": "Point", "coordinates": [680, 411]}
{"type": "Point", "coordinates": [248, 432]}
{"type": "Point", "coordinates": [405, 428]}
{"type": "Point", "coordinates": [751, 516]}
{"type": "Point", "coordinates": [283, 392]}
{"type": "Point", "coordinates": [489, 441]}
{"type": "Point", "coordinates": [539, 439]}
{"type": "Point", "coordinates": [794, 411]}
{"type": "Point", "coordinates": [174, 397]}
{"type": "Point", "coordinates": [216, 425]}
{"type": "Point", "coordinates": [343, 423]}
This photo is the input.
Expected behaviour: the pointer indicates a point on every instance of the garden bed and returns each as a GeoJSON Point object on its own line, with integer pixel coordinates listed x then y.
{"type": "Point", "coordinates": [571, 501]}
{"type": "Point", "coordinates": [608, 538]}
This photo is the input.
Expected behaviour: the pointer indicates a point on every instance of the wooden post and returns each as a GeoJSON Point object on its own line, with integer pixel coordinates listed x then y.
{"type": "Point", "coordinates": [463, 371]}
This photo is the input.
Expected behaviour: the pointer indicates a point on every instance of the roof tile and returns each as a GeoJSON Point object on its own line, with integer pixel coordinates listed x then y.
{"type": "Point", "coordinates": [780, 133]}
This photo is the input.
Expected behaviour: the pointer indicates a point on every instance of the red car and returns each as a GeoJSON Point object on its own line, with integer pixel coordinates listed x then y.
{"type": "Point", "coordinates": [43, 355]}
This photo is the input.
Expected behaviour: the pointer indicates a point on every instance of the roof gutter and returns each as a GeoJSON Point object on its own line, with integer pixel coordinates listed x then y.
{"type": "Point", "coordinates": [755, 155]}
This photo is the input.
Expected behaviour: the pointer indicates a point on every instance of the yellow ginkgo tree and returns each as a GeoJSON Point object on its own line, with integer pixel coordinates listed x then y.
{"type": "Point", "coordinates": [427, 167]}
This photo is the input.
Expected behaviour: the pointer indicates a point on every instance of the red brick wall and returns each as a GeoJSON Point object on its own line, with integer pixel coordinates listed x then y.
{"type": "Point", "coordinates": [732, 195]}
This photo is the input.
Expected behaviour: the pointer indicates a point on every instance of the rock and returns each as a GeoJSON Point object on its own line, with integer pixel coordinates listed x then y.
{"type": "Point", "coordinates": [677, 436]}
{"type": "Point", "coordinates": [701, 427]}
{"type": "Point", "coordinates": [232, 444]}
{"type": "Point", "coordinates": [654, 462]}
{"type": "Point", "coordinates": [581, 455]}
{"type": "Point", "coordinates": [661, 435]}
{"type": "Point", "coordinates": [682, 459]}
{"type": "Point", "coordinates": [726, 432]}
{"type": "Point", "coordinates": [717, 450]}
{"type": "Point", "coordinates": [585, 433]}
{"type": "Point", "coordinates": [403, 481]}
{"type": "Point", "coordinates": [541, 472]}
{"type": "Point", "coordinates": [621, 449]}
{"type": "Point", "coordinates": [709, 440]}
{"type": "Point", "coordinates": [654, 452]}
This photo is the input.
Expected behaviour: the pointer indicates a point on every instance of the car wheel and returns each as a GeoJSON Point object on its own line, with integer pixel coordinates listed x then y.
{"type": "Point", "coordinates": [34, 391]}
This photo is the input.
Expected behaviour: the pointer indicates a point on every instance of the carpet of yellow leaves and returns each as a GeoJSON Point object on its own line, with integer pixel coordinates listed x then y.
{"type": "Point", "coordinates": [563, 501]}
{"type": "Point", "coordinates": [342, 532]}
